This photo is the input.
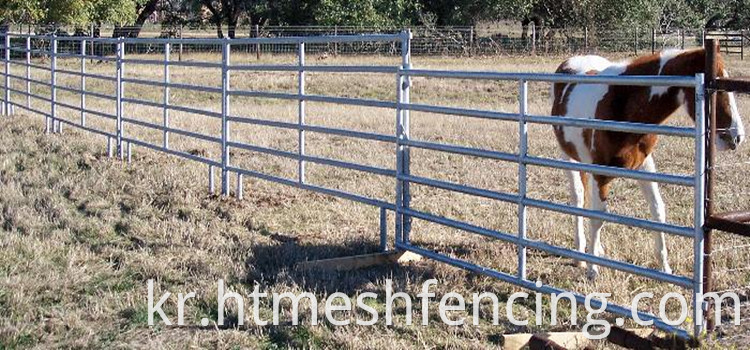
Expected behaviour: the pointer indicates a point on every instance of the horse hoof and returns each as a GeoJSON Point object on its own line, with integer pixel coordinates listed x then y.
{"type": "Point", "coordinates": [592, 274]}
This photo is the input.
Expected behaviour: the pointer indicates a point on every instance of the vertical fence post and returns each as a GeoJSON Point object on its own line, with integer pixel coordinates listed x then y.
{"type": "Point", "coordinates": [225, 52]}
{"type": "Point", "coordinates": [257, 45]}
{"type": "Point", "coordinates": [28, 72]}
{"type": "Point", "coordinates": [710, 152]}
{"type": "Point", "coordinates": [533, 37]}
{"type": "Point", "coordinates": [240, 188]}
{"type": "Point", "coordinates": [742, 45]}
{"type": "Point", "coordinates": [6, 51]}
{"type": "Point", "coordinates": [91, 46]}
{"type": "Point", "coordinates": [83, 82]}
{"type": "Point", "coordinates": [586, 38]}
{"type": "Point", "coordinates": [179, 55]}
{"type": "Point", "coordinates": [119, 94]}
{"type": "Point", "coordinates": [211, 187]}
{"type": "Point", "coordinates": [301, 112]}
{"type": "Point", "coordinates": [49, 122]}
{"type": "Point", "coordinates": [472, 34]}
{"type": "Point", "coordinates": [653, 40]}
{"type": "Point", "coordinates": [383, 230]}
{"type": "Point", "coordinates": [167, 50]}
{"type": "Point", "coordinates": [402, 135]}
{"type": "Point", "coordinates": [522, 150]}
{"type": "Point", "coordinates": [335, 44]}
{"type": "Point", "coordinates": [682, 39]}
{"type": "Point", "coordinates": [699, 205]}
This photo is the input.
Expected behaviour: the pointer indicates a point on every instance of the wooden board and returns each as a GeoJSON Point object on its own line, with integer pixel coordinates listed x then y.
{"type": "Point", "coordinates": [354, 262]}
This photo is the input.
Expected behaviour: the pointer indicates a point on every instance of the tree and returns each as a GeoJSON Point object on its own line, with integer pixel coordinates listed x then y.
{"type": "Point", "coordinates": [21, 11]}
{"type": "Point", "coordinates": [141, 10]}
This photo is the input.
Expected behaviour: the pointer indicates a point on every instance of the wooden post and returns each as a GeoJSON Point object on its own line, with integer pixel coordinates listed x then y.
{"type": "Point", "coordinates": [682, 39]}
{"type": "Point", "coordinates": [710, 110]}
{"type": "Point", "coordinates": [257, 46]}
{"type": "Point", "coordinates": [335, 45]}
{"type": "Point", "coordinates": [653, 40]}
{"type": "Point", "coordinates": [533, 38]}
{"type": "Point", "coordinates": [742, 45]}
{"type": "Point", "coordinates": [471, 41]}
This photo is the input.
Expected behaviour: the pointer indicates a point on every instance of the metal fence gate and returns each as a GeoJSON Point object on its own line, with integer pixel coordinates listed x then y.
{"type": "Point", "coordinates": [30, 52]}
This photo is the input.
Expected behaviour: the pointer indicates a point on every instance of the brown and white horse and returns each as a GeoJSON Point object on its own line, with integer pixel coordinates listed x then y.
{"type": "Point", "coordinates": [640, 104]}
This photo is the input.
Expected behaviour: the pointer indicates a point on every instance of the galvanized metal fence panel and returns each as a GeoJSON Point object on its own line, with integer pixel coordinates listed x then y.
{"type": "Point", "coordinates": [402, 140]}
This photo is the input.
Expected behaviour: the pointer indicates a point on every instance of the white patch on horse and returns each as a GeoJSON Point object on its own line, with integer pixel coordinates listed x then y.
{"type": "Point", "coordinates": [584, 99]}
{"type": "Point", "coordinates": [664, 57]}
{"type": "Point", "coordinates": [736, 129]}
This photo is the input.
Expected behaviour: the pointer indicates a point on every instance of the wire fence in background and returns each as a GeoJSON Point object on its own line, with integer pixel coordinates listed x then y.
{"type": "Point", "coordinates": [428, 40]}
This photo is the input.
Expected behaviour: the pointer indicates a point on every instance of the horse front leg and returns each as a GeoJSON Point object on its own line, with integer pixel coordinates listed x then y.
{"type": "Point", "coordinates": [650, 191]}
{"type": "Point", "coordinates": [577, 186]}
{"type": "Point", "coordinates": [598, 193]}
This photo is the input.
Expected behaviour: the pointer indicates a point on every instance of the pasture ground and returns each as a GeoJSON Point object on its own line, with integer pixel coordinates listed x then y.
{"type": "Point", "coordinates": [82, 233]}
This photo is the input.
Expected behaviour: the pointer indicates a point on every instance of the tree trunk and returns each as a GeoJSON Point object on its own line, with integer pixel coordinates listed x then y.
{"type": "Point", "coordinates": [132, 31]}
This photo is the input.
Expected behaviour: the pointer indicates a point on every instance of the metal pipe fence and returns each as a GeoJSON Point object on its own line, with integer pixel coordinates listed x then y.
{"type": "Point", "coordinates": [402, 141]}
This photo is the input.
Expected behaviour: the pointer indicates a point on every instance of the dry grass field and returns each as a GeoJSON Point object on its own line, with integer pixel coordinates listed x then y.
{"type": "Point", "coordinates": [83, 233]}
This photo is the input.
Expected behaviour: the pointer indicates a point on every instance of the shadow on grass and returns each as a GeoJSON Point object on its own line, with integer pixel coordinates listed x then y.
{"type": "Point", "coordinates": [268, 264]}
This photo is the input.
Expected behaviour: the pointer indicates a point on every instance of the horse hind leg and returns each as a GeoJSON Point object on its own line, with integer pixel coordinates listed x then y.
{"type": "Point", "coordinates": [651, 192]}
{"type": "Point", "coordinates": [577, 186]}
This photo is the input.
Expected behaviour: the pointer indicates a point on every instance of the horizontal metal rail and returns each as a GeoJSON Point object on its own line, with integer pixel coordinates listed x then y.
{"type": "Point", "coordinates": [86, 128]}
{"type": "Point", "coordinates": [555, 250]}
{"type": "Point", "coordinates": [24, 93]}
{"type": "Point", "coordinates": [599, 124]}
{"type": "Point", "coordinates": [161, 63]}
{"type": "Point", "coordinates": [468, 151]}
{"type": "Point", "coordinates": [321, 39]}
{"type": "Point", "coordinates": [172, 130]}
{"type": "Point", "coordinates": [611, 171]}
{"type": "Point", "coordinates": [557, 164]}
{"type": "Point", "coordinates": [508, 278]}
{"type": "Point", "coordinates": [628, 80]}
{"type": "Point", "coordinates": [23, 49]}
{"type": "Point", "coordinates": [560, 208]}
{"type": "Point", "coordinates": [162, 84]}
{"type": "Point", "coordinates": [614, 218]}
{"type": "Point", "coordinates": [315, 188]}
{"type": "Point", "coordinates": [173, 107]}
{"type": "Point", "coordinates": [88, 93]}
{"type": "Point", "coordinates": [35, 66]}
{"type": "Point", "coordinates": [88, 57]}
{"type": "Point", "coordinates": [315, 128]}
{"type": "Point", "coordinates": [30, 109]}
{"type": "Point", "coordinates": [88, 111]}
{"type": "Point", "coordinates": [314, 159]}
{"type": "Point", "coordinates": [87, 75]}
{"type": "Point", "coordinates": [445, 185]}
{"type": "Point", "coordinates": [315, 98]}
{"type": "Point", "coordinates": [40, 82]}
{"type": "Point", "coordinates": [171, 151]}
{"type": "Point", "coordinates": [331, 69]}
{"type": "Point", "coordinates": [611, 125]}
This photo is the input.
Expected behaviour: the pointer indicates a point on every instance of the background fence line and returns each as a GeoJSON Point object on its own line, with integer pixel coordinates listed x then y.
{"type": "Point", "coordinates": [432, 40]}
